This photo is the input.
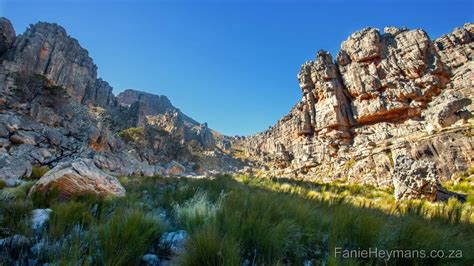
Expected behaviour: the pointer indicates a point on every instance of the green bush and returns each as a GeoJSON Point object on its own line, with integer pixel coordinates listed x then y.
{"type": "Point", "coordinates": [67, 215]}
{"type": "Point", "coordinates": [2, 184]}
{"type": "Point", "coordinates": [197, 211]}
{"type": "Point", "coordinates": [16, 193]}
{"type": "Point", "coordinates": [38, 171]}
{"type": "Point", "coordinates": [46, 198]}
{"type": "Point", "coordinates": [15, 217]}
{"type": "Point", "coordinates": [208, 247]}
{"type": "Point", "coordinates": [126, 236]}
{"type": "Point", "coordinates": [133, 134]}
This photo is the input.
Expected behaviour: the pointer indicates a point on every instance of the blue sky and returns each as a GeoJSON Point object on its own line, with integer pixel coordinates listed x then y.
{"type": "Point", "coordinates": [232, 64]}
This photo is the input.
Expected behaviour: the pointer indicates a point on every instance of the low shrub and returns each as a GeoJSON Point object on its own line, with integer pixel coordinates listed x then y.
{"type": "Point", "coordinates": [67, 215]}
{"type": "Point", "coordinates": [197, 211]}
{"type": "Point", "coordinates": [15, 217]}
{"type": "Point", "coordinates": [38, 171]}
{"type": "Point", "coordinates": [208, 247]}
{"type": "Point", "coordinates": [126, 236]}
{"type": "Point", "coordinates": [133, 134]}
{"type": "Point", "coordinates": [19, 192]}
{"type": "Point", "coordinates": [46, 198]}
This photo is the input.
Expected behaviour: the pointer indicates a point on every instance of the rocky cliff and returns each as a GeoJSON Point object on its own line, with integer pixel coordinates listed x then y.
{"type": "Point", "coordinates": [392, 109]}
{"type": "Point", "coordinates": [54, 109]}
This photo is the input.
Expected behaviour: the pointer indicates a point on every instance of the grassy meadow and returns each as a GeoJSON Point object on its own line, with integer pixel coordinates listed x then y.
{"type": "Point", "coordinates": [241, 220]}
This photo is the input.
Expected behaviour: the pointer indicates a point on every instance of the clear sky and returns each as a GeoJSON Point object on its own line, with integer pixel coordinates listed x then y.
{"type": "Point", "coordinates": [232, 64]}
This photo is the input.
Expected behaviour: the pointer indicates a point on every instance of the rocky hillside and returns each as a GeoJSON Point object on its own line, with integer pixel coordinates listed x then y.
{"type": "Point", "coordinates": [393, 108]}
{"type": "Point", "coordinates": [54, 109]}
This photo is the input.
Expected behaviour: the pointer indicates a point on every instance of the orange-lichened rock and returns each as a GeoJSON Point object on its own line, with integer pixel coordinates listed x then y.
{"type": "Point", "coordinates": [79, 178]}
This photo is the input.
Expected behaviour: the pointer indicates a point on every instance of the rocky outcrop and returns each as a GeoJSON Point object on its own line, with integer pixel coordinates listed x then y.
{"type": "Point", "coordinates": [149, 104]}
{"type": "Point", "coordinates": [146, 109]}
{"type": "Point", "coordinates": [79, 178]}
{"type": "Point", "coordinates": [46, 49]}
{"type": "Point", "coordinates": [7, 35]}
{"type": "Point", "coordinates": [54, 109]}
{"type": "Point", "coordinates": [327, 110]}
{"type": "Point", "coordinates": [386, 94]}
{"type": "Point", "coordinates": [391, 76]}
{"type": "Point", "coordinates": [414, 179]}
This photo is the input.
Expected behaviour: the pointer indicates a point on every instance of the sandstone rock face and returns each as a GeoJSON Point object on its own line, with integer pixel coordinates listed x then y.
{"type": "Point", "coordinates": [47, 50]}
{"type": "Point", "coordinates": [326, 103]}
{"type": "Point", "coordinates": [157, 111]}
{"type": "Point", "coordinates": [78, 178]}
{"type": "Point", "coordinates": [390, 76]}
{"type": "Point", "coordinates": [387, 94]}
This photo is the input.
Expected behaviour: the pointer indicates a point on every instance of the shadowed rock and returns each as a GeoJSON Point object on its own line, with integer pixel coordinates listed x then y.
{"type": "Point", "coordinates": [7, 35]}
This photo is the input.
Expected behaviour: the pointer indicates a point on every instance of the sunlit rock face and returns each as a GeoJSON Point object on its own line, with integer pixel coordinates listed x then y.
{"type": "Point", "coordinates": [386, 93]}
{"type": "Point", "coordinates": [390, 76]}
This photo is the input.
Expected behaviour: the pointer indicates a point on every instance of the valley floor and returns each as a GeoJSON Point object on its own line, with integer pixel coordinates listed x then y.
{"type": "Point", "coordinates": [235, 220]}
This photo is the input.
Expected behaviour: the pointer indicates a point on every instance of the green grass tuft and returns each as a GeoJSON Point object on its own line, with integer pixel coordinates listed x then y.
{"type": "Point", "coordinates": [208, 247]}
{"type": "Point", "coordinates": [67, 215]}
{"type": "Point", "coordinates": [15, 217]}
{"type": "Point", "coordinates": [197, 211]}
{"type": "Point", "coordinates": [126, 236]}
{"type": "Point", "coordinates": [16, 193]}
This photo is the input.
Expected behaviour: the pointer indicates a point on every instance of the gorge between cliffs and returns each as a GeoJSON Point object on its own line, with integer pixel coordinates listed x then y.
{"type": "Point", "coordinates": [379, 146]}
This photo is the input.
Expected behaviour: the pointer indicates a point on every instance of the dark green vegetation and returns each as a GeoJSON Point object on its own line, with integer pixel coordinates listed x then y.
{"type": "Point", "coordinates": [231, 220]}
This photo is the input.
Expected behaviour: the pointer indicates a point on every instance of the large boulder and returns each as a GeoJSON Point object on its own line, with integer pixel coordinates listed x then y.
{"type": "Point", "coordinates": [414, 179]}
{"type": "Point", "coordinates": [77, 178]}
{"type": "Point", "coordinates": [11, 169]}
{"type": "Point", "coordinates": [175, 169]}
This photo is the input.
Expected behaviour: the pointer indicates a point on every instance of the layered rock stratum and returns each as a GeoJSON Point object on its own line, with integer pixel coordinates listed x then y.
{"type": "Point", "coordinates": [393, 109]}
